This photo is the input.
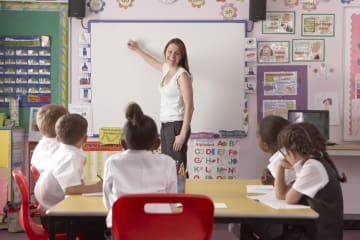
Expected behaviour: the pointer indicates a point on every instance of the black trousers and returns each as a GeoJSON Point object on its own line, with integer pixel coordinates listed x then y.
{"type": "Point", "coordinates": [168, 133]}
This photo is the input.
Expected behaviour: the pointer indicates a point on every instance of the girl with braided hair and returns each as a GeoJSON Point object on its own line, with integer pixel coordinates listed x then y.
{"type": "Point", "coordinates": [317, 182]}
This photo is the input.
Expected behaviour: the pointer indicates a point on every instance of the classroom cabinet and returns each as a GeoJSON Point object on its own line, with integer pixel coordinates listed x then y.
{"type": "Point", "coordinates": [12, 155]}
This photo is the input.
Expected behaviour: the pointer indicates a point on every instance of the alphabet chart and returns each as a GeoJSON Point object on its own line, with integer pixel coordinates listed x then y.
{"type": "Point", "coordinates": [213, 158]}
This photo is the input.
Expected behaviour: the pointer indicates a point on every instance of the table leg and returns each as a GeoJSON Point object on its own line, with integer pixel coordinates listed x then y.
{"type": "Point", "coordinates": [71, 231]}
{"type": "Point", "coordinates": [52, 229]}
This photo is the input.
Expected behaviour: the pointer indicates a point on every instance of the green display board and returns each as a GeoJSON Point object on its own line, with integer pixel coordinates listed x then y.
{"type": "Point", "coordinates": [41, 19]}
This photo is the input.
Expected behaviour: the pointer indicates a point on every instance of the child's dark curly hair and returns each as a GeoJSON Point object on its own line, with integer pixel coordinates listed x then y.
{"type": "Point", "coordinates": [269, 128]}
{"type": "Point", "coordinates": [307, 140]}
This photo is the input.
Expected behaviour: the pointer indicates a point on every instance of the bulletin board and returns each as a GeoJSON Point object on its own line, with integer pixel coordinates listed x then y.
{"type": "Point", "coordinates": [50, 19]}
{"type": "Point", "coordinates": [280, 88]}
{"type": "Point", "coordinates": [216, 58]}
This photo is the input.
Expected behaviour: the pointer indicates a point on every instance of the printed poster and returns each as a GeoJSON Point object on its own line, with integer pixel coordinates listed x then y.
{"type": "Point", "coordinates": [328, 101]}
{"type": "Point", "coordinates": [280, 83]}
{"type": "Point", "coordinates": [213, 158]}
{"type": "Point", "coordinates": [278, 107]}
{"type": "Point", "coordinates": [279, 22]}
{"type": "Point", "coordinates": [308, 50]}
{"type": "Point", "coordinates": [273, 51]}
{"type": "Point", "coordinates": [318, 25]}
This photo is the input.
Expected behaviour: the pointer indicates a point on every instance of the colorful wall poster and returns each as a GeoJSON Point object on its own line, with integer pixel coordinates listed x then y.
{"type": "Point", "coordinates": [213, 158]}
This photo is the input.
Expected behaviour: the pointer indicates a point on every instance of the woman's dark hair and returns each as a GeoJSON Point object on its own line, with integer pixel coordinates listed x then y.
{"type": "Point", "coordinates": [269, 128]}
{"type": "Point", "coordinates": [181, 45]}
{"type": "Point", "coordinates": [307, 140]}
{"type": "Point", "coordinates": [140, 130]}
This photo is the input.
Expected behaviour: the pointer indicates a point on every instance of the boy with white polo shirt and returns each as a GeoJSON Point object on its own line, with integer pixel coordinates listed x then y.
{"type": "Point", "coordinates": [46, 119]}
{"type": "Point", "coordinates": [65, 174]}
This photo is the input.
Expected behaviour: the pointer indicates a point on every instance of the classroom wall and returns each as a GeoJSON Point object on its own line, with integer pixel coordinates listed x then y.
{"type": "Point", "coordinates": [253, 160]}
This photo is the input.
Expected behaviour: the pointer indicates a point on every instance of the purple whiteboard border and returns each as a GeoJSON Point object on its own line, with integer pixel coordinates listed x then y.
{"type": "Point", "coordinates": [301, 97]}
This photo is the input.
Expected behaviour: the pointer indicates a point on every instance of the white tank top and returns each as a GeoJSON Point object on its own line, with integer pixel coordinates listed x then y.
{"type": "Point", "coordinates": [172, 106]}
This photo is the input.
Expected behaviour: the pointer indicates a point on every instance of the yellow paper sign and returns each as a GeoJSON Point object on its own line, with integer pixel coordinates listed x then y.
{"type": "Point", "coordinates": [110, 135]}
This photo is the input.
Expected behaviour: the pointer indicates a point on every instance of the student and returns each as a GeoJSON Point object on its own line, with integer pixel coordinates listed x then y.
{"type": "Point", "coordinates": [317, 182]}
{"type": "Point", "coordinates": [46, 118]}
{"type": "Point", "coordinates": [177, 105]}
{"type": "Point", "coordinates": [65, 175]}
{"type": "Point", "coordinates": [267, 132]}
{"type": "Point", "coordinates": [138, 169]}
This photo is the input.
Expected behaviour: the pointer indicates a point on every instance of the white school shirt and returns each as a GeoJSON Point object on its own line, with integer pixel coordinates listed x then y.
{"type": "Point", "coordinates": [43, 152]}
{"type": "Point", "coordinates": [66, 170]}
{"type": "Point", "coordinates": [311, 177]}
{"type": "Point", "coordinates": [138, 171]}
{"type": "Point", "coordinates": [172, 105]}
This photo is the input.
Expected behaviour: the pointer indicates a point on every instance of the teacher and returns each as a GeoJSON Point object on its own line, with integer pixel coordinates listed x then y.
{"type": "Point", "coordinates": [176, 103]}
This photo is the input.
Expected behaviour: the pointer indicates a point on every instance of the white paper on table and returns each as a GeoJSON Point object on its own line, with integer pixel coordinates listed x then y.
{"type": "Point", "coordinates": [270, 200]}
{"type": "Point", "coordinates": [220, 205]}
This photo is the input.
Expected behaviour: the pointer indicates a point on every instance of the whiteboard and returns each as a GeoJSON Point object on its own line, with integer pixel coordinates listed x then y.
{"type": "Point", "coordinates": [216, 58]}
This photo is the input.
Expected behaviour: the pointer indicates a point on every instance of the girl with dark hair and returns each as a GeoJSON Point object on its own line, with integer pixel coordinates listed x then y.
{"type": "Point", "coordinates": [138, 169]}
{"type": "Point", "coordinates": [267, 133]}
{"type": "Point", "coordinates": [317, 182]}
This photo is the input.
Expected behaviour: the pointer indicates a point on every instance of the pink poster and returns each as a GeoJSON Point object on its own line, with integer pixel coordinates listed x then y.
{"type": "Point", "coordinates": [354, 65]}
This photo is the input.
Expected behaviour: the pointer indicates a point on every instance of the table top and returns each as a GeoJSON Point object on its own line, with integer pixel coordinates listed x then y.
{"type": "Point", "coordinates": [230, 192]}
{"type": "Point", "coordinates": [78, 205]}
{"type": "Point", "coordinates": [233, 193]}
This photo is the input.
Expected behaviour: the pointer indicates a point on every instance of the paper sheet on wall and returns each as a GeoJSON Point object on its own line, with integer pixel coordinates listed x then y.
{"type": "Point", "coordinates": [278, 107]}
{"type": "Point", "coordinates": [110, 135]}
{"type": "Point", "coordinates": [328, 101]}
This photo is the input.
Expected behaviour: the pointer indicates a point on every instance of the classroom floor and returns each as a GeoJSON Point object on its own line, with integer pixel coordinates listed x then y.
{"type": "Point", "coordinates": [220, 233]}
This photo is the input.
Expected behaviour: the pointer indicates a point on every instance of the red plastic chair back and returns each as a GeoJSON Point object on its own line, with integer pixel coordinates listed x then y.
{"type": "Point", "coordinates": [35, 172]}
{"type": "Point", "coordinates": [33, 230]}
{"type": "Point", "coordinates": [193, 221]}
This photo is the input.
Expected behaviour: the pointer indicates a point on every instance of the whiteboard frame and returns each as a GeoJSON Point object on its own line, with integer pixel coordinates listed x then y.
{"type": "Point", "coordinates": [218, 106]}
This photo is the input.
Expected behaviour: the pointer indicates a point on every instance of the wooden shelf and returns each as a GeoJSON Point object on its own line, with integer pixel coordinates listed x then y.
{"type": "Point", "coordinates": [344, 150]}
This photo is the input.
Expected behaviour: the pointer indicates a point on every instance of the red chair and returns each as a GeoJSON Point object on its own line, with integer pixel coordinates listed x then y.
{"type": "Point", "coordinates": [34, 231]}
{"type": "Point", "coordinates": [193, 221]}
{"type": "Point", "coordinates": [35, 172]}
